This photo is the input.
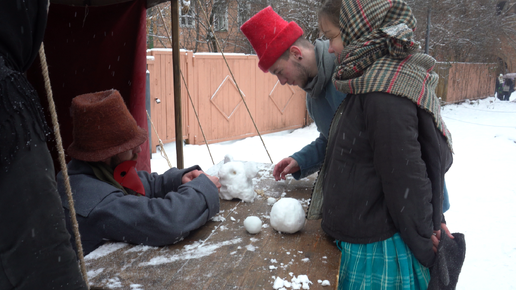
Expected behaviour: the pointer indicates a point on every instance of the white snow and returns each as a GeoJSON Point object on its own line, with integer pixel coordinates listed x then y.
{"type": "Point", "coordinates": [287, 215]}
{"type": "Point", "coordinates": [236, 178]}
{"type": "Point", "coordinates": [104, 250]}
{"type": "Point", "coordinates": [299, 282]}
{"type": "Point", "coordinates": [253, 224]}
{"type": "Point", "coordinates": [480, 182]}
{"type": "Point", "coordinates": [194, 251]}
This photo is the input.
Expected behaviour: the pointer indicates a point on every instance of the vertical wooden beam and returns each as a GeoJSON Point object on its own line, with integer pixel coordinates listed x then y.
{"type": "Point", "coordinates": [174, 4]}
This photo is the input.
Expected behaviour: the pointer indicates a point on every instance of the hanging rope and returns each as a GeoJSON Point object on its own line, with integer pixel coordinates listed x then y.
{"type": "Point", "coordinates": [62, 161]}
{"type": "Point", "coordinates": [188, 92]}
{"type": "Point", "coordinates": [236, 84]}
{"type": "Point", "coordinates": [161, 146]}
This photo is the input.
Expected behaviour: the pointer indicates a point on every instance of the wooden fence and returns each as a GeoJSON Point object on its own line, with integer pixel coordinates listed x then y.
{"type": "Point", "coordinates": [224, 116]}
{"type": "Point", "coordinates": [461, 81]}
{"type": "Point", "coordinates": [222, 113]}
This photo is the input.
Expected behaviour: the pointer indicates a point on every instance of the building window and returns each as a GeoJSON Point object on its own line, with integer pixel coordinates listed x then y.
{"type": "Point", "coordinates": [244, 12]}
{"type": "Point", "coordinates": [188, 19]}
{"type": "Point", "coordinates": [220, 15]}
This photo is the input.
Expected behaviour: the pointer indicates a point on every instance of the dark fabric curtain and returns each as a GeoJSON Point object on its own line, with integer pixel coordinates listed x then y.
{"type": "Point", "coordinates": [92, 49]}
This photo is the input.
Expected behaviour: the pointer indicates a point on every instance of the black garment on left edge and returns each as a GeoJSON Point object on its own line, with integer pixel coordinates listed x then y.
{"type": "Point", "coordinates": [384, 173]}
{"type": "Point", "coordinates": [35, 251]}
{"type": "Point", "coordinates": [22, 27]}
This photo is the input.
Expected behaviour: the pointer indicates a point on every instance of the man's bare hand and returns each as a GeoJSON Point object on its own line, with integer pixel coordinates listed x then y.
{"type": "Point", "coordinates": [215, 180]}
{"type": "Point", "coordinates": [189, 176]}
{"type": "Point", "coordinates": [286, 166]}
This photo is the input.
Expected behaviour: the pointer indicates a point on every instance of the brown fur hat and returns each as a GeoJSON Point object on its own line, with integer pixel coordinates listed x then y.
{"type": "Point", "coordinates": [102, 127]}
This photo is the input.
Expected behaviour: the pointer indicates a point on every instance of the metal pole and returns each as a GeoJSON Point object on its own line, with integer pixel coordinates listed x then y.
{"type": "Point", "coordinates": [427, 40]}
{"type": "Point", "coordinates": [174, 4]}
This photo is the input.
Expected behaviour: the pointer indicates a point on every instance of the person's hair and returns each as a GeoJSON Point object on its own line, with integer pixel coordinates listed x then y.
{"type": "Point", "coordinates": [330, 9]}
{"type": "Point", "coordinates": [301, 41]}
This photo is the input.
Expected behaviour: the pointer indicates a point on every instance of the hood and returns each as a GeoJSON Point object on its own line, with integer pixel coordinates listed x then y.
{"type": "Point", "coordinates": [22, 27]}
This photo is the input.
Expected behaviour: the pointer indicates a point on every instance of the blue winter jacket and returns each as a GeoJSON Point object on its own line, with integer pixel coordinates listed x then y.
{"type": "Point", "coordinates": [322, 100]}
{"type": "Point", "coordinates": [321, 110]}
{"type": "Point", "coordinates": [167, 213]}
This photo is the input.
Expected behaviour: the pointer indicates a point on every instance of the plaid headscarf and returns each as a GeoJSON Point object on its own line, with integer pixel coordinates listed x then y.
{"type": "Point", "coordinates": [380, 55]}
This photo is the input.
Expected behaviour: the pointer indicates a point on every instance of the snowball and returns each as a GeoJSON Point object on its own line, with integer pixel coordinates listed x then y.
{"type": "Point", "coordinates": [325, 283]}
{"type": "Point", "coordinates": [236, 178]}
{"type": "Point", "coordinates": [271, 200]}
{"type": "Point", "coordinates": [253, 224]}
{"type": "Point", "coordinates": [287, 215]}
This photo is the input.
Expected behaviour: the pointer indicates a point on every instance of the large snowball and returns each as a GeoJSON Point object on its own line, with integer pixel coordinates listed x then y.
{"type": "Point", "coordinates": [287, 215]}
{"type": "Point", "coordinates": [253, 224]}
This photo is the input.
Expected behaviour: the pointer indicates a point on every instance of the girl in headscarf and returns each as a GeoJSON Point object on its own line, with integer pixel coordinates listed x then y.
{"type": "Point", "coordinates": [380, 191]}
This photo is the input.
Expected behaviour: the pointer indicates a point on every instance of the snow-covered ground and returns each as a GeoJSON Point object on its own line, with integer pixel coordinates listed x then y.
{"type": "Point", "coordinates": [481, 182]}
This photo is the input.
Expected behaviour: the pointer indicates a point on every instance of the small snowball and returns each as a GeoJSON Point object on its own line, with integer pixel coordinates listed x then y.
{"type": "Point", "coordinates": [287, 215]}
{"type": "Point", "coordinates": [253, 224]}
{"type": "Point", "coordinates": [271, 200]}
{"type": "Point", "coordinates": [325, 283]}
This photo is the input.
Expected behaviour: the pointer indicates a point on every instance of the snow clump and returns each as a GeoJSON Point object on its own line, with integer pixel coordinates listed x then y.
{"type": "Point", "coordinates": [236, 178]}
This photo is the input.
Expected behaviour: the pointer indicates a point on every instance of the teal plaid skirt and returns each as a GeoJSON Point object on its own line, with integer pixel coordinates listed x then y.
{"type": "Point", "coordinates": [385, 265]}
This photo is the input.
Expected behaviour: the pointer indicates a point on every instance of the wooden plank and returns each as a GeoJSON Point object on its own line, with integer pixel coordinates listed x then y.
{"type": "Point", "coordinates": [222, 255]}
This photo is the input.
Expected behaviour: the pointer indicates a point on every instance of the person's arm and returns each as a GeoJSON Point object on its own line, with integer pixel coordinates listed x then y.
{"type": "Point", "coordinates": [392, 123]}
{"type": "Point", "coordinates": [446, 199]}
{"type": "Point", "coordinates": [159, 185]}
{"type": "Point", "coordinates": [156, 221]}
{"type": "Point", "coordinates": [310, 157]}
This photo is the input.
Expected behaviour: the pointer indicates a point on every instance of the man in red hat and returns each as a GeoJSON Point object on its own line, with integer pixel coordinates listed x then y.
{"type": "Point", "coordinates": [115, 202]}
{"type": "Point", "coordinates": [283, 51]}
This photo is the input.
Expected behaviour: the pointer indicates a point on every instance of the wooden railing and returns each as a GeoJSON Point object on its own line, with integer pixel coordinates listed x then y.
{"type": "Point", "coordinates": [222, 113]}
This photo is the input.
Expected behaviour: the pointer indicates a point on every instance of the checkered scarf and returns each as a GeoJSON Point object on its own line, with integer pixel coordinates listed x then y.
{"type": "Point", "coordinates": [380, 55]}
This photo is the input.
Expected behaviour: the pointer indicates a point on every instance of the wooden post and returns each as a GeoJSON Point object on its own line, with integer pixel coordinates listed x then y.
{"type": "Point", "coordinates": [174, 4]}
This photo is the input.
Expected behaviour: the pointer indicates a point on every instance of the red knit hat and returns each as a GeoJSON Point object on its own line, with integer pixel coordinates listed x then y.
{"type": "Point", "coordinates": [270, 36]}
{"type": "Point", "coordinates": [102, 127]}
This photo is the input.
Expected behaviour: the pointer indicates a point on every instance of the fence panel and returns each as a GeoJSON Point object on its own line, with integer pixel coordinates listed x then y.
{"type": "Point", "coordinates": [461, 81]}
{"type": "Point", "coordinates": [214, 94]}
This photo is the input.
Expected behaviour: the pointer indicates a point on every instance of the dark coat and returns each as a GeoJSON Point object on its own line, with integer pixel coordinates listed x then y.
{"type": "Point", "coordinates": [384, 173]}
{"type": "Point", "coordinates": [166, 214]}
{"type": "Point", "coordinates": [35, 249]}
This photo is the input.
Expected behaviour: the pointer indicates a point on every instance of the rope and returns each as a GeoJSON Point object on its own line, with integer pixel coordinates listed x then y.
{"type": "Point", "coordinates": [161, 146]}
{"type": "Point", "coordinates": [189, 96]}
{"type": "Point", "coordinates": [231, 72]}
{"type": "Point", "coordinates": [236, 84]}
{"type": "Point", "coordinates": [62, 161]}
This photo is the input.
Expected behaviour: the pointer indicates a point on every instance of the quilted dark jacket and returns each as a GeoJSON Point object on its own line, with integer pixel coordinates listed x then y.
{"type": "Point", "coordinates": [383, 173]}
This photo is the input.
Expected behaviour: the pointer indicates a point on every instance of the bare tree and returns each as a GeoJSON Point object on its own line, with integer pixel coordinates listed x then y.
{"type": "Point", "coordinates": [465, 30]}
{"type": "Point", "coordinates": [224, 17]}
